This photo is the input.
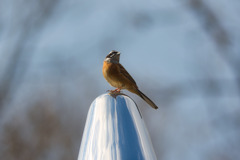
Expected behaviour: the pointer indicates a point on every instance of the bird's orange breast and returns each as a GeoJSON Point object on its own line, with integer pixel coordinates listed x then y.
{"type": "Point", "coordinates": [112, 74]}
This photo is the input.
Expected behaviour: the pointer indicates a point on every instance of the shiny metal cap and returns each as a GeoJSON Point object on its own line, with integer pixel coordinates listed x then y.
{"type": "Point", "coordinates": [114, 130]}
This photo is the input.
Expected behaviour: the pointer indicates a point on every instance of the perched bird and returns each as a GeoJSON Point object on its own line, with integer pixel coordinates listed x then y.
{"type": "Point", "coordinates": [119, 78]}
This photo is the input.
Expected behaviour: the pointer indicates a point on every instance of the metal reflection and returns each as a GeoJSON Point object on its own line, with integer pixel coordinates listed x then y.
{"type": "Point", "coordinates": [114, 130]}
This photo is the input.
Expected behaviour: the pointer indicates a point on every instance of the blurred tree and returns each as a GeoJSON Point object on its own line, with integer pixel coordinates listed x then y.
{"type": "Point", "coordinates": [210, 21]}
{"type": "Point", "coordinates": [28, 19]}
{"type": "Point", "coordinates": [38, 133]}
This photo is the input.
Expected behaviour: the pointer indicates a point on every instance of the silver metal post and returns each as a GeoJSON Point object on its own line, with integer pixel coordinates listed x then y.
{"type": "Point", "coordinates": [114, 130]}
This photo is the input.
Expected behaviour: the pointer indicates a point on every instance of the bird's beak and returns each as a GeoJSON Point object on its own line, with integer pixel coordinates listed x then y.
{"type": "Point", "coordinates": [118, 53]}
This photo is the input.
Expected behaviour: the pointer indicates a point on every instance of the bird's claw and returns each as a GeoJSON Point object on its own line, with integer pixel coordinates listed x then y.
{"type": "Point", "coordinates": [114, 91]}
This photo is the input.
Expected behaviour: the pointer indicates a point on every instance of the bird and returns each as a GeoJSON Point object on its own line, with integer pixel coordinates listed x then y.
{"type": "Point", "coordinates": [118, 77]}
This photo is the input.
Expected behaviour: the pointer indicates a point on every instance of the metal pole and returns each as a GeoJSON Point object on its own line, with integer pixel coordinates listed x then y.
{"type": "Point", "coordinates": [115, 130]}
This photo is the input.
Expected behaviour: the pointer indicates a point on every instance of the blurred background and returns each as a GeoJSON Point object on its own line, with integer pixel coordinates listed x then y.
{"type": "Point", "coordinates": [185, 55]}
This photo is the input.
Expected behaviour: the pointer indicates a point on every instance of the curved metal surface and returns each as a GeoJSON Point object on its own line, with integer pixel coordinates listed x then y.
{"type": "Point", "coordinates": [114, 130]}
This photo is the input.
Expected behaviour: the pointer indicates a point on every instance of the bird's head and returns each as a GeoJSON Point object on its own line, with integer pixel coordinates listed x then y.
{"type": "Point", "coordinates": [113, 57]}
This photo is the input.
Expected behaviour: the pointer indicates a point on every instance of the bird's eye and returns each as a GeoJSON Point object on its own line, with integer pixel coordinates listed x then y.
{"type": "Point", "coordinates": [110, 55]}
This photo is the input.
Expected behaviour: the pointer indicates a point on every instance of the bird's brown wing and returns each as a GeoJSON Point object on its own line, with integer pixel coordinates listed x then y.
{"type": "Point", "coordinates": [126, 74]}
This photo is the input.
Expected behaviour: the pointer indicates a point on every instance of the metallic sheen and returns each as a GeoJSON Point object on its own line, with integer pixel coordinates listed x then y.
{"type": "Point", "coordinates": [114, 130]}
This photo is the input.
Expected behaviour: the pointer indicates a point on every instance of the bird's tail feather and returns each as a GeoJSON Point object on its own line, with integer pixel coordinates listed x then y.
{"type": "Point", "coordinates": [145, 98]}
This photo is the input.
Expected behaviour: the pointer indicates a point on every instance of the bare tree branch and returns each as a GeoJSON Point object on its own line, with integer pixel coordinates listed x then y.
{"type": "Point", "coordinates": [29, 27]}
{"type": "Point", "coordinates": [211, 24]}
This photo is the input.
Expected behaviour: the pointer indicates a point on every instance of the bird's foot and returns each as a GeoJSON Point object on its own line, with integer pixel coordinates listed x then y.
{"type": "Point", "coordinates": [115, 90]}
